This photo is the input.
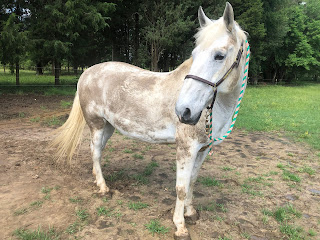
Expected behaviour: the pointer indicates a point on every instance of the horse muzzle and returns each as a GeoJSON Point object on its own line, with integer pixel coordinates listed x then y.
{"type": "Point", "coordinates": [185, 116]}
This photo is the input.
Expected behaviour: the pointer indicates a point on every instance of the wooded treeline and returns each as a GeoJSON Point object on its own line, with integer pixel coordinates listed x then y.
{"type": "Point", "coordinates": [157, 35]}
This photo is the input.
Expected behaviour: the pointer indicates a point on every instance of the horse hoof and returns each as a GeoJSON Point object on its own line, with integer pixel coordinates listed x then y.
{"type": "Point", "coordinates": [191, 220]}
{"type": "Point", "coordinates": [184, 236]}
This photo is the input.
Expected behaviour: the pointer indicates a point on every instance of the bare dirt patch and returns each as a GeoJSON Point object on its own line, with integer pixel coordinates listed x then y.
{"type": "Point", "coordinates": [239, 194]}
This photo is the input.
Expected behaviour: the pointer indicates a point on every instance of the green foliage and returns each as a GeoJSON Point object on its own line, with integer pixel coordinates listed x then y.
{"type": "Point", "coordinates": [25, 234]}
{"type": "Point", "coordinates": [137, 205]}
{"type": "Point", "coordinates": [155, 227]}
{"type": "Point", "coordinates": [209, 182]}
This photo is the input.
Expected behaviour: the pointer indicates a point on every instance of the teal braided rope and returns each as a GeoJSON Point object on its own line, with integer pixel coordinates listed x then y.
{"type": "Point", "coordinates": [243, 86]}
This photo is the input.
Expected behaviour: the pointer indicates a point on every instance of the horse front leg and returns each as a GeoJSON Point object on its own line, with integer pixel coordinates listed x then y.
{"type": "Point", "coordinates": [185, 163]}
{"type": "Point", "coordinates": [191, 215]}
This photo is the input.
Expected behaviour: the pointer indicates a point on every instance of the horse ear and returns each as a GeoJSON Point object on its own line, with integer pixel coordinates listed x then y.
{"type": "Point", "coordinates": [203, 19]}
{"type": "Point", "coordinates": [228, 17]}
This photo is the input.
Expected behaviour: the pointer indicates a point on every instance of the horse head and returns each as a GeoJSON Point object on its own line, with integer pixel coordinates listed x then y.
{"type": "Point", "coordinates": [214, 67]}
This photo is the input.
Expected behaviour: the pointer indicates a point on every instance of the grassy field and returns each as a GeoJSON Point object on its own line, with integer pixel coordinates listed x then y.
{"type": "Point", "coordinates": [292, 109]}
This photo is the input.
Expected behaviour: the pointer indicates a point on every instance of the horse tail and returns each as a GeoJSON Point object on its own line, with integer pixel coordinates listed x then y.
{"type": "Point", "coordinates": [70, 133]}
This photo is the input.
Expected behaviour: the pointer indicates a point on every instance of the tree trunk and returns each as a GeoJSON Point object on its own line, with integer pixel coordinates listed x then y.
{"type": "Point", "coordinates": [17, 74]}
{"type": "Point", "coordinates": [39, 69]}
{"type": "Point", "coordinates": [75, 69]}
{"type": "Point", "coordinates": [4, 68]}
{"type": "Point", "coordinates": [154, 57]}
{"type": "Point", "coordinates": [274, 77]}
{"type": "Point", "coordinates": [136, 40]}
{"type": "Point", "coordinates": [56, 72]}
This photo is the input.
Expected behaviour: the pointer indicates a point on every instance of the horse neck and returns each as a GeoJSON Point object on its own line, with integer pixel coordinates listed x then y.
{"type": "Point", "coordinates": [225, 106]}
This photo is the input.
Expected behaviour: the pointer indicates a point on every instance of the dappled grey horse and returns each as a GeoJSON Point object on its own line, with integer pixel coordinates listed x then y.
{"type": "Point", "coordinates": [163, 107]}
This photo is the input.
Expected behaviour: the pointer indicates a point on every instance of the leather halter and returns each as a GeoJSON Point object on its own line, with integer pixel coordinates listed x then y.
{"type": "Point", "coordinates": [215, 85]}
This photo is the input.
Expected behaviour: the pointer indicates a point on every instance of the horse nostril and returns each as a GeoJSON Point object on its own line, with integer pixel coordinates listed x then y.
{"type": "Point", "coordinates": [187, 113]}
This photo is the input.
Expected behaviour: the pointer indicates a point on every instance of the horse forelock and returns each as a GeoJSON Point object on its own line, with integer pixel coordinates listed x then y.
{"type": "Point", "coordinates": [212, 31]}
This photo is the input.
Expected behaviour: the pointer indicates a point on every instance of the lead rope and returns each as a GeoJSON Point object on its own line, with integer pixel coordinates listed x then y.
{"type": "Point", "coordinates": [209, 117]}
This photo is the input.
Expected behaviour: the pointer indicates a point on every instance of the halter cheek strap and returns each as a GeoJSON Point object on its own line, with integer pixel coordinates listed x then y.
{"type": "Point", "coordinates": [215, 85]}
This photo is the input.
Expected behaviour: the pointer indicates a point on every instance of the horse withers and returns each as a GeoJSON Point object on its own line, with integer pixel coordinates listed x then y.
{"type": "Point", "coordinates": [162, 107]}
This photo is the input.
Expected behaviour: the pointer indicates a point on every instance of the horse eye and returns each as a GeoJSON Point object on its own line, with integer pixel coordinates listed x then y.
{"type": "Point", "coordinates": [218, 57]}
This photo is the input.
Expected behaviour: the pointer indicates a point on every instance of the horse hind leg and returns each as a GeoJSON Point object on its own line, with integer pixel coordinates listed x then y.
{"type": "Point", "coordinates": [99, 139]}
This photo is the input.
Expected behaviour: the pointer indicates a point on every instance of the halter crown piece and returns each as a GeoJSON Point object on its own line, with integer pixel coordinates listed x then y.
{"type": "Point", "coordinates": [215, 86]}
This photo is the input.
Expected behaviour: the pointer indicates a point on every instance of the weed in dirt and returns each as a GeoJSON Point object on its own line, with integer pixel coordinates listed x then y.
{"type": "Point", "coordinates": [260, 180]}
{"type": "Point", "coordinates": [22, 115]}
{"type": "Point", "coordinates": [308, 170]}
{"type": "Point", "coordinates": [102, 211]}
{"type": "Point", "coordinates": [245, 235]}
{"type": "Point", "coordinates": [74, 228]}
{"type": "Point", "coordinates": [150, 168]}
{"type": "Point", "coordinates": [36, 203]}
{"type": "Point", "coordinates": [83, 215]}
{"type": "Point", "coordinates": [282, 214]}
{"type": "Point", "coordinates": [20, 211]}
{"type": "Point", "coordinates": [137, 156]}
{"type": "Point", "coordinates": [65, 104]}
{"type": "Point", "coordinates": [293, 232]}
{"type": "Point", "coordinates": [224, 238]}
{"type": "Point", "coordinates": [75, 199]}
{"type": "Point", "coordinates": [137, 205]}
{"type": "Point", "coordinates": [46, 191]}
{"type": "Point", "coordinates": [227, 168]}
{"type": "Point", "coordinates": [248, 189]}
{"type": "Point", "coordinates": [271, 173]}
{"type": "Point", "coordinates": [209, 182]}
{"type": "Point", "coordinates": [127, 151]}
{"type": "Point", "coordinates": [141, 179]}
{"type": "Point", "coordinates": [113, 177]}
{"type": "Point", "coordinates": [35, 119]}
{"type": "Point", "coordinates": [289, 176]}
{"type": "Point", "coordinates": [212, 207]}
{"type": "Point", "coordinates": [53, 121]}
{"type": "Point", "coordinates": [155, 227]}
{"type": "Point", "coordinates": [267, 212]}
{"type": "Point", "coordinates": [265, 220]}
{"type": "Point", "coordinates": [312, 233]}
{"type": "Point", "coordinates": [222, 207]}
{"type": "Point", "coordinates": [25, 234]}
{"type": "Point", "coordinates": [281, 166]}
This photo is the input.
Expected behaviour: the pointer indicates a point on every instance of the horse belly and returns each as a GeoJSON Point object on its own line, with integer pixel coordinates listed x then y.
{"type": "Point", "coordinates": [157, 133]}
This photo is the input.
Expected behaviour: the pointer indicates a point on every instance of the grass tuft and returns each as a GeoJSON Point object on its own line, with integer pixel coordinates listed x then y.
{"type": "Point", "coordinates": [155, 227]}
{"type": "Point", "coordinates": [137, 205]}
{"type": "Point", "coordinates": [25, 234]}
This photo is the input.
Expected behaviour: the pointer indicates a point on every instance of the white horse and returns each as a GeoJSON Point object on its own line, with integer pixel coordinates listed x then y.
{"type": "Point", "coordinates": [144, 105]}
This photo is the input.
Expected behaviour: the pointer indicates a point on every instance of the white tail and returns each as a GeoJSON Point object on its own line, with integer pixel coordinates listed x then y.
{"type": "Point", "coordinates": [70, 133]}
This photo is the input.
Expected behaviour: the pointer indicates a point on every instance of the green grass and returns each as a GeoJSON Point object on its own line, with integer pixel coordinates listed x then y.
{"type": "Point", "coordinates": [137, 205]}
{"type": "Point", "coordinates": [294, 109]}
{"type": "Point", "coordinates": [155, 227]}
{"type": "Point", "coordinates": [30, 78]}
{"type": "Point", "coordinates": [102, 211]}
{"type": "Point", "coordinates": [25, 234]}
{"type": "Point", "coordinates": [209, 182]}
{"type": "Point", "coordinates": [82, 214]}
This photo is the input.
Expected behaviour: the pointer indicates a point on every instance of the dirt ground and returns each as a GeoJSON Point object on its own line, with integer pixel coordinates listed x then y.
{"type": "Point", "coordinates": [255, 175]}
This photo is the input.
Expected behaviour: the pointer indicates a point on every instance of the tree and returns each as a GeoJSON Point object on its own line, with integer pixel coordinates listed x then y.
{"type": "Point", "coordinates": [65, 29]}
{"type": "Point", "coordinates": [166, 25]}
{"type": "Point", "coordinates": [13, 43]}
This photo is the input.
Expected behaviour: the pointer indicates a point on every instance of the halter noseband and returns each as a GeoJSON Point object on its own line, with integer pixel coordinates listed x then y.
{"type": "Point", "coordinates": [215, 85]}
